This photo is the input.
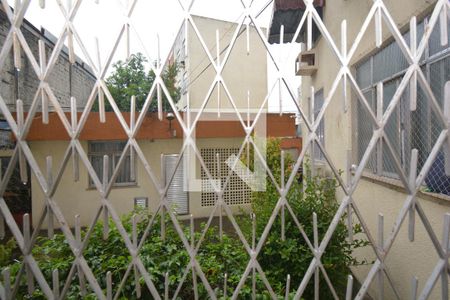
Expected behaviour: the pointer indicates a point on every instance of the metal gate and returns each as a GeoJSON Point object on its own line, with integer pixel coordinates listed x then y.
{"type": "Point", "coordinates": [22, 154]}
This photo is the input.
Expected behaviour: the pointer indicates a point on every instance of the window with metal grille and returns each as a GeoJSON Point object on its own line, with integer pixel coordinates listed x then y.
{"type": "Point", "coordinates": [318, 103]}
{"type": "Point", "coordinates": [405, 129]}
{"type": "Point", "coordinates": [237, 191]}
{"type": "Point", "coordinates": [114, 149]}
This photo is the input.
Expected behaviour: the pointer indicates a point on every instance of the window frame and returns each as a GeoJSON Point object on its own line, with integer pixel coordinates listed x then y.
{"type": "Point", "coordinates": [426, 62]}
{"type": "Point", "coordinates": [316, 153]}
{"type": "Point", "coordinates": [112, 160]}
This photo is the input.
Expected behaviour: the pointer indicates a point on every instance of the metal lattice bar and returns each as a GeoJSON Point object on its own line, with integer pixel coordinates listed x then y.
{"type": "Point", "coordinates": [48, 183]}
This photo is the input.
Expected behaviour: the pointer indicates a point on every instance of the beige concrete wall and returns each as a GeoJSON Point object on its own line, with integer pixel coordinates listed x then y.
{"type": "Point", "coordinates": [242, 72]}
{"type": "Point", "coordinates": [406, 259]}
{"type": "Point", "coordinates": [78, 198]}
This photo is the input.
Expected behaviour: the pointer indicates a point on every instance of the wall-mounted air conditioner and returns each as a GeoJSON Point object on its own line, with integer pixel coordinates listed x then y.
{"type": "Point", "coordinates": [306, 63]}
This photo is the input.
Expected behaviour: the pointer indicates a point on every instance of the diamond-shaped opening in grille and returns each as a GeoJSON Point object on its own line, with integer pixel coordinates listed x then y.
{"type": "Point", "coordinates": [284, 99]}
{"type": "Point", "coordinates": [104, 244]}
{"type": "Point", "coordinates": [390, 211]}
{"type": "Point", "coordinates": [156, 111]}
{"type": "Point", "coordinates": [252, 285]}
{"type": "Point", "coordinates": [261, 12]}
{"type": "Point", "coordinates": [320, 157]}
{"type": "Point", "coordinates": [86, 172]}
{"type": "Point", "coordinates": [434, 44]}
{"type": "Point", "coordinates": [57, 167]}
{"type": "Point", "coordinates": [220, 231]}
{"type": "Point", "coordinates": [20, 81]}
{"type": "Point", "coordinates": [373, 289]}
{"type": "Point", "coordinates": [396, 130]}
{"type": "Point", "coordinates": [244, 74]}
{"type": "Point", "coordinates": [406, 132]}
{"type": "Point", "coordinates": [402, 127]}
{"type": "Point", "coordinates": [353, 240]}
{"type": "Point", "coordinates": [435, 181]}
{"type": "Point", "coordinates": [163, 43]}
{"type": "Point", "coordinates": [16, 195]}
{"type": "Point", "coordinates": [403, 245]}
{"type": "Point", "coordinates": [70, 84]}
{"type": "Point", "coordinates": [164, 255]}
{"type": "Point", "coordinates": [365, 130]}
{"type": "Point", "coordinates": [133, 72]}
{"type": "Point", "coordinates": [306, 64]}
{"type": "Point", "coordinates": [17, 192]}
{"type": "Point", "coordinates": [160, 162]}
{"type": "Point", "coordinates": [155, 32]}
{"type": "Point", "coordinates": [29, 219]}
{"type": "Point", "coordinates": [35, 26]}
{"type": "Point", "coordinates": [202, 203]}
{"type": "Point", "coordinates": [35, 15]}
{"type": "Point", "coordinates": [303, 202]}
{"type": "Point", "coordinates": [199, 87]}
{"type": "Point", "coordinates": [60, 50]}
{"type": "Point", "coordinates": [214, 13]}
{"type": "Point", "coordinates": [98, 26]}
{"type": "Point", "coordinates": [21, 94]}
{"type": "Point", "coordinates": [51, 250]}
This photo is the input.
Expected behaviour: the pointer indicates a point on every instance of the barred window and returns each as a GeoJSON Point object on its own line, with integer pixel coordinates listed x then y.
{"type": "Point", "coordinates": [318, 103]}
{"type": "Point", "coordinates": [114, 149]}
{"type": "Point", "coordinates": [237, 191]}
{"type": "Point", "coordinates": [405, 129]}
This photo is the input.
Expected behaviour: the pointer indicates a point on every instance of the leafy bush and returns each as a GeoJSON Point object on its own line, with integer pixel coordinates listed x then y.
{"type": "Point", "coordinates": [292, 256]}
{"type": "Point", "coordinates": [130, 78]}
{"type": "Point", "coordinates": [6, 252]}
{"type": "Point", "coordinates": [216, 257]}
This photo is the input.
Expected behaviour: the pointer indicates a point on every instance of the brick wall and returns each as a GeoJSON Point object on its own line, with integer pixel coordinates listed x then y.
{"type": "Point", "coordinates": [65, 83]}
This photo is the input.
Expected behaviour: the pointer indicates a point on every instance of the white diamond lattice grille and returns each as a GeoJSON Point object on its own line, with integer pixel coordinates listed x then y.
{"type": "Point", "coordinates": [20, 125]}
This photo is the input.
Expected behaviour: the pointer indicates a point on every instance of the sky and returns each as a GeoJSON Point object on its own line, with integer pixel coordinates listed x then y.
{"type": "Point", "coordinates": [154, 20]}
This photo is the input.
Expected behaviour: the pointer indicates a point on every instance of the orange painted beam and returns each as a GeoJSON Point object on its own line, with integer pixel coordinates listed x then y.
{"type": "Point", "coordinates": [152, 128]}
{"type": "Point", "coordinates": [291, 143]}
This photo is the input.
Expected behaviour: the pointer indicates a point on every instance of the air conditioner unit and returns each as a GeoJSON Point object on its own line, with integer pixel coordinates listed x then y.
{"type": "Point", "coordinates": [306, 63]}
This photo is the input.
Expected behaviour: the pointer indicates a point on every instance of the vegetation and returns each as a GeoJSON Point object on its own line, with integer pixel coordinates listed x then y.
{"type": "Point", "coordinates": [7, 252]}
{"type": "Point", "coordinates": [130, 78]}
{"type": "Point", "coordinates": [216, 257]}
{"type": "Point", "coordinates": [293, 256]}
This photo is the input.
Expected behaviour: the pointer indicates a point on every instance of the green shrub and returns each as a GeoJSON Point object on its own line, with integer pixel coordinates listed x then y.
{"type": "Point", "coordinates": [216, 257]}
{"type": "Point", "coordinates": [6, 252]}
{"type": "Point", "coordinates": [292, 256]}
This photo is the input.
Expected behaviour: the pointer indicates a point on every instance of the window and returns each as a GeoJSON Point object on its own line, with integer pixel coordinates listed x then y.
{"type": "Point", "coordinates": [114, 150]}
{"type": "Point", "coordinates": [318, 103]}
{"type": "Point", "coordinates": [177, 195]}
{"type": "Point", "coordinates": [17, 194]}
{"type": "Point", "coordinates": [237, 192]}
{"type": "Point", "coordinates": [405, 129]}
{"type": "Point", "coordinates": [6, 141]}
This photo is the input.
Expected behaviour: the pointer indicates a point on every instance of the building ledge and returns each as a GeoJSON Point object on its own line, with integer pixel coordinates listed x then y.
{"type": "Point", "coordinates": [151, 127]}
{"type": "Point", "coordinates": [396, 185]}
